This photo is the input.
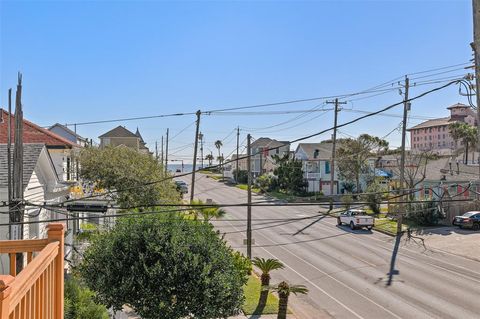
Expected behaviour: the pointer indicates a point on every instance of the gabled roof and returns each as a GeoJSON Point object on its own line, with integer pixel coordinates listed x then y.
{"type": "Point", "coordinates": [119, 131]}
{"type": "Point", "coordinates": [31, 153]}
{"type": "Point", "coordinates": [66, 129]}
{"type": "Point", "coordinates": [32, 133]}
{"type": "Point", "coordinates": [324, 150]}
{"type": "Point", "coordinates": [268, 142]}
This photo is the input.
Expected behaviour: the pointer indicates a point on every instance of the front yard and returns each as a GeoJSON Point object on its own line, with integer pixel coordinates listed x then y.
{"type": "Point", "coordinates": [252, 295]}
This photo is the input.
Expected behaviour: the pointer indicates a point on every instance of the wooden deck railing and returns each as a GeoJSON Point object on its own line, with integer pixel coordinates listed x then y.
{"type": "Point", "coordinates": [37, 290]}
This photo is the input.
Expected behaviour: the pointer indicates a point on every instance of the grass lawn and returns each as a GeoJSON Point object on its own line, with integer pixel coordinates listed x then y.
{"type": "Point", "coordinates": [245, 186]}
{"type": "Point", "coordinates": [252, 293]}
{"type": "Point", "coordinates": [387, 225]}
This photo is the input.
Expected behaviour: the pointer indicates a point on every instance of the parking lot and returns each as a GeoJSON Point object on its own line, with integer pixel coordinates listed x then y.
{"type": "Point", "coordinates": [451, 239]}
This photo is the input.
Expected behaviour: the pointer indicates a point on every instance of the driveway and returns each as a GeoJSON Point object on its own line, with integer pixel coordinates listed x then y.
{"type": "Point", "coordinates": [452, 240]}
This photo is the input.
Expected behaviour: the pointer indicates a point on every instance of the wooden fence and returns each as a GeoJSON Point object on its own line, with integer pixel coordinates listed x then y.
{"type": "Point", "coordinates": [37, 290]}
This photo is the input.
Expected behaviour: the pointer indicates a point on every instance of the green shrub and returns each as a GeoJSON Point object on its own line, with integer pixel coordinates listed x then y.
{"type": "Point", "coordinates": [347, 201]}
{"type": "Point", "coordinates": [424, 213]}
{"type": "Point", "coordinates": [373, 197]}
{"type": "Point", "coordinates": [79, 302]}
{"type": "Point", "coordinates": [266, 182]}
{"type": "Point", "coordinates": [242, 176]}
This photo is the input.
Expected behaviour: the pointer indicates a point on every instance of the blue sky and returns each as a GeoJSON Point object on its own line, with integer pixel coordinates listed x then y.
{"type": "Point", "coordinates": [87, 61]}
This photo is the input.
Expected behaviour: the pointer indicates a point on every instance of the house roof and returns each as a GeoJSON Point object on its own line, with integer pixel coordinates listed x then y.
{"type": "Point", "coordinates": [119, 131]}
{"type": "Point", "coordinates": [32, 133]}
{"type": "Point", "coordinates": [137, 133]}
{"type": "Point", "coordinates": [324, 150]}
{"type": "Point", "coordinates": [31, 153]}
{"type": "Point", "coordinates": [458, 105]}
{"type": "Point", "coordinates": [431, 123]}
{"type": "Point", "coordinates": [65, 128]}
{"type": "Point", "coordinates": [268, 142]}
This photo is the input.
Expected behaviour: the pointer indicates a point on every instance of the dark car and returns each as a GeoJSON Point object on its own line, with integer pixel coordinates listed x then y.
{"type": "Point", "coordinates": [182, 187]}
{"type": "Point", "coordinates": [468, 220]}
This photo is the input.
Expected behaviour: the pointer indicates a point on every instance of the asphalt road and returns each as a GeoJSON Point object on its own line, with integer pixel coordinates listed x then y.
{"type": "Point", "coordinates": [348, 272]}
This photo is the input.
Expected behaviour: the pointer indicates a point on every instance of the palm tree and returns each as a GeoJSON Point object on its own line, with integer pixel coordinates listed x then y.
{"type": "Point", "coordinates": [470, 138]}
{"type": "Point", "coordinates": [284, 290]}
{"type": "Point", "coordinates": [209, 158]}
{"type": "Point", "coordinates": [218, 145]}
{"type": "Point", "coordinates": [456, 131]}
{"type": "Point", "coordinates": [265, 266]}
{"type": "Point", "coordinates": [207, 212]}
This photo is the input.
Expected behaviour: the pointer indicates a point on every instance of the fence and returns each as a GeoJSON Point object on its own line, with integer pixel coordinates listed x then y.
{"type": "Point", "coordinates": [37, 290]}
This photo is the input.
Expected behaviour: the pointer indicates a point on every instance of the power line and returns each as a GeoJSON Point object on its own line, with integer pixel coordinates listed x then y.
{"type": "Point", "coordinates": [295, 140]}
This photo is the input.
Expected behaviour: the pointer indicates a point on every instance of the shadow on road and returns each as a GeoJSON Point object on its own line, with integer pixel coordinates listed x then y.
{"type": "Point", "coordinates": [394, 271]}
{"type": "Point", "coordinates": [301, 241]}
{"type": "Point", "coordinates": [355, 231]}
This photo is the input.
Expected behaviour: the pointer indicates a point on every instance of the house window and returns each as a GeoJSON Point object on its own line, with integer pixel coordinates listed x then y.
{"type": "Point", "coordinates": [327, 167]}
{"type": "Point", "coordinates": [438, 136]}
{"type": "Point", "coordinates": [277, 151]}
{"type": "Point", "coordinates": [430, 130]}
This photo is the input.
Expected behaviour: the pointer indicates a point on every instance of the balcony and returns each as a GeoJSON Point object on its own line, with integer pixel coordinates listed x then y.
{"type": "Point", "coordinates": [37, 290]}
{"type": "Point", "coordinates": [312, 176]}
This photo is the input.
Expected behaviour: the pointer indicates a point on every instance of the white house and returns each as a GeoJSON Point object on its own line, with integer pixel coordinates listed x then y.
{"type": "Point", "coordinates": [316, 158]}
{"type": "Point", "coordinates": [262, 150]}
{"type": "Point", "coordinates": [41, 186]}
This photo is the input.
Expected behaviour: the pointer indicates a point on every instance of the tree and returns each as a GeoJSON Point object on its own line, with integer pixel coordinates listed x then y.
{"type": "Point", "coordinates": [352, 157]}
{"type": "Point", "coordinates": [165, 266]}
{"type": "Point", "coordinates": [218, 145]}
{"type": "Point", "coordinates": [139, 179]}
{"type": "Point", "coordinates": [289, 174]}
{"type": "Point", "coordinates": [284, 290]}
{"type": "Point", "coordinates": [209, 158]}
{"type": "Point", "coordinates": [266, 266]}
{"type": "Point", "coordinates": [207, 213]}
{"type": "Point", "coordinates": [466, 133]}
{"type": "Point", "coordinates": [79, 303]}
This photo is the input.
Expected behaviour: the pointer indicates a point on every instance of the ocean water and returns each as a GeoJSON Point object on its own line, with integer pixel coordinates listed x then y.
{"type": "Point", "coordinates": [186, 167]}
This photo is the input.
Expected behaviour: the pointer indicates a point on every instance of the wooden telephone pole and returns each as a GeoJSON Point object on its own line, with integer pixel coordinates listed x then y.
{"type": "Point", "coordinates": [334, 144]}
{"type": "Point", "coordinates": [16, 214]}
{"type": "Point", "coordinates": [236, 161]}
{"type": "Point", "coordinates": [194, 164]}
{"type": "Point", "coordinates": [476, 51]}
{"type": "Point", "coordinates": [249, 199]}
{"type": "Point", "coordinates": [406, 108]}
{"type": "Point", "coordinates": [166, 153]}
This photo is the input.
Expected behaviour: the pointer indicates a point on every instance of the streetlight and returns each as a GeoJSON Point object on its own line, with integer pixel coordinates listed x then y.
{"type": "Point", "coordinates": [180, 160]}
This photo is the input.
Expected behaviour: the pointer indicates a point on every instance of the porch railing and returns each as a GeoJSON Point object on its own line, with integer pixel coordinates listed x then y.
{"type": "Point", "coordinates": [37, 290]}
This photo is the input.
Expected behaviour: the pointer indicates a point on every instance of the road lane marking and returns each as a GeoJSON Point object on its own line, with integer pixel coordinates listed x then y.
{"type": "Point", "coordinates": [309, 281]}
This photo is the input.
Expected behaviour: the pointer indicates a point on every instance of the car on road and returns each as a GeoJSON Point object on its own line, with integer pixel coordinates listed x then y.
{"type": "Point", "coordinates": [182, 187]}
{"type": "Point", "coordinates": [356, 218]}
{"type": "Point", "coordinates": [468, 220]}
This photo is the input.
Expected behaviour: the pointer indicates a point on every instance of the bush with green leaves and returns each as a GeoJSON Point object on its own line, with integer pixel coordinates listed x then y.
{"type": "Point", "coordinates": [79, 302]}
{"type": "Point", "coordinates": [165, 266]}
{"type": "Point", "coordinates": [425, 213]}
{"type": "Point", "coordinates": [373, 196]}
{"type": "Point", "coordinates": [242, 176]}
{"type": "Point", "coordinates": [266, 182]}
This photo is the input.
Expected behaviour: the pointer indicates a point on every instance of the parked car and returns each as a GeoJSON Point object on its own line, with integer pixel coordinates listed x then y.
{"type": "Point", "coordinates": [356, 218]}
{"type": "Point", "coordinates": [182, 187]}
{"type": "Point", "coordinates": [468, 220]}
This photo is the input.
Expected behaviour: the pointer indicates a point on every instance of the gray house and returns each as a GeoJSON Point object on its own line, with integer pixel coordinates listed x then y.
{"type": "Point", "coordinates": [68, 134]}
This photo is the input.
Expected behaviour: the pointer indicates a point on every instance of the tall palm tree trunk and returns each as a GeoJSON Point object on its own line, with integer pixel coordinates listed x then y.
{"type": "Point", "coordinates": [466, 153]}
{"type": "Point", "coordinates": [265, 279]}
{"type": "Point", "coordinates": [282, 305]}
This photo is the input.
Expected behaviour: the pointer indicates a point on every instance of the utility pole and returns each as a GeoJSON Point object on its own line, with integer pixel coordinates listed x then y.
{"type": "Point", "coordinates": [334, 144]}
{"type": "Point", "coordinates": [476, 51]}
{"type": "Point", "coordinates": [249, 200]}
{"type": "Point", "coordinates": [166, 153]}
{"type": "Point", "coordinates": [194, 166]}
{"type": "Point", "coordinates": [162, 151]}
{"type": "Point", "coordinates": [156, 151]}
{"type": "Point", "coordinates": [200, 136]}
{"type": "Point", "coordinates": [238, 137]}
{"type": "Point", "coordinates": [406, 108]}
{"type": "Point", "coordinates": [9, 151]}
{"type": "Point", "coordinates": [16, 230]}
